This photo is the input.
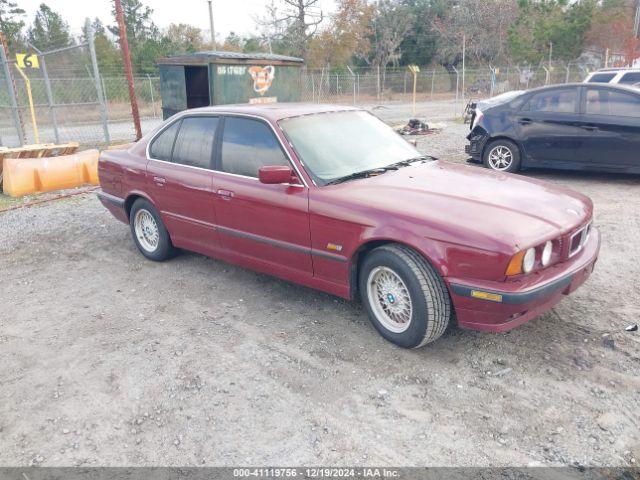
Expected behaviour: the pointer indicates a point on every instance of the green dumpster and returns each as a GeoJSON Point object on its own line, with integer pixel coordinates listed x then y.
{"type": "Point", "coordinates": [218, 78]}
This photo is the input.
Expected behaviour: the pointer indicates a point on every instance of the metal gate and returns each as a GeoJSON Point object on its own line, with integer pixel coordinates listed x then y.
{"type": "Point", "coordinates": [67, 97]}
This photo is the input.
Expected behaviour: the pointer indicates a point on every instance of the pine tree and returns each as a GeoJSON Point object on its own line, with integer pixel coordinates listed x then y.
{"type": "Point", "coordinates": [49, 30]}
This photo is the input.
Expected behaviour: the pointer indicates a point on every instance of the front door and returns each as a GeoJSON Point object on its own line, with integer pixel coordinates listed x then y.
{"type": "Point", "coordinates": [262, 224]}
{"type": "Point", "coordinates": [548, 125]}
{"type": "Point", "coordinates": [613, 118]}
{"type": "Point", "coordinates": [180, 179]}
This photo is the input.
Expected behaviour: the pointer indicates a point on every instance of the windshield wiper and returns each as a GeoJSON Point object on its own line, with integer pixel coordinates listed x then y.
{"type": "Point", "coordinates": [361, 174]}
{"type": "Point", "coordinates": [409, 161]}
{"type": "Point", "coordinates": [379, 170]}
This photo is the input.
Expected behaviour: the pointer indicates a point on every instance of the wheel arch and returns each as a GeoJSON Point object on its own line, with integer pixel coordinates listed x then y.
{"type": "Point", "coordinates": [131, 198]}
{"type": "Point", "coordinates": [490, 140]}
{"type": "Point", "coordinates": [355, 262]}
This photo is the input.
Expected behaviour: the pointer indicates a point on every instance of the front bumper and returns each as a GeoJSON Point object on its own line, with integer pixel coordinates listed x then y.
{"type": "Point", "coordinates": [510, 304]}
{"type": "Point", "coordinates": [477, 141]}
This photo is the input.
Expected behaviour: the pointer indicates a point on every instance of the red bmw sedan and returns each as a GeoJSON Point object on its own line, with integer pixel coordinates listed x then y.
{"type": "Point", "coordinates": [332, 198]}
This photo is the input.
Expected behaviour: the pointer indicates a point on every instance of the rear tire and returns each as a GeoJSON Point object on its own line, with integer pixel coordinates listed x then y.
{"type": "Point", "coordinates": [502, 156]}
{"type": "Point", "coordinates": [149, 233]}
{"type": "Point", "coordinates": [405, 298]}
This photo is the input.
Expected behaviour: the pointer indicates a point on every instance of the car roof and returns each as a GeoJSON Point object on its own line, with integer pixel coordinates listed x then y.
{"type": "Point", "coordinates": [617, 69]}
{"type": "Point", "coordinates": [273, 111]}
{"type": "Point", "coordinates": [613, 86]}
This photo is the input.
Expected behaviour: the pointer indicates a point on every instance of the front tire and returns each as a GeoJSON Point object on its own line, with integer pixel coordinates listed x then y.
{"type": "Point", "coordinates": [149, 233]}
{"type": "Point", "coordinates": [405, 298]}
{"type": "Point", "coordinates": [502, 156]}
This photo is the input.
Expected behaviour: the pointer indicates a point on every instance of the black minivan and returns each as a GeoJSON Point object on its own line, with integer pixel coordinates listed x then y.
{"type": "Point", "coordinates": [581, 126]}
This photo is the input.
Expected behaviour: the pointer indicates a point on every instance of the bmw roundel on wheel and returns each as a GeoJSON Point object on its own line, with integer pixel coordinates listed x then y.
{"type": "Point", "coordinates": [332, 198]}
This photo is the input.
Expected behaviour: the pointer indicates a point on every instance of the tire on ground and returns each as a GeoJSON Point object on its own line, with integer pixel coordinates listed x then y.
{"type": "Point", "coordinates": [513, 148]}
{"type": "Point", "coordinates": [165, 248]}
{"type": "Point", "coordinates": [431, 304]}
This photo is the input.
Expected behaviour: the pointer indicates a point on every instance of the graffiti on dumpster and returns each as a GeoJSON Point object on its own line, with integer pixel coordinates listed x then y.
{"type": "Point", "coordinates": [262, 78]}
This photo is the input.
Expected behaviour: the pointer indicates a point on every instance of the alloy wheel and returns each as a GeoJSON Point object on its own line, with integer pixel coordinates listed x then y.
{"type": "Point", "coordinates": [147, 231]}
{"type": "Point", "coordinates": [500, 158]}
{"type": "Point", "coordinates": [389, 299]}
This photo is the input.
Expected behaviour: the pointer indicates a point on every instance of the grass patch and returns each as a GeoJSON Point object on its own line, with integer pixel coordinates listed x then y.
{"type": "Point", "coordinates": [6, 201]}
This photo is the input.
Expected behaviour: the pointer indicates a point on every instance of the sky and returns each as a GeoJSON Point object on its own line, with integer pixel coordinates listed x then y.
{"type": "Point", "coordinates": [229, 15]}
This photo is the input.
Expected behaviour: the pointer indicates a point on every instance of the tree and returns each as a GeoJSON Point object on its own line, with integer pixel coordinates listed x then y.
{"type": "Point", "coordinates": [419, 48]}
{"type": "Point", "coordinates": [346, 37]}
{"type": "Point", "coordinates": [482, 25]}
{"type": "Point", "coordinates": [292, 24]}
{"type": "Point", "coordinates": [49, 30]}
{"type": "Point", "coordinates": [545, 24]}
{"type": "Point", "coordinates": [11, 23]}
{"type": "Point", "coordinates": [612, 29]}
{"type": "Point", "coordinates": [137, 19]}
{"type": "Point", "coordinates": [390, 25]}
{"type": "Point", "coordinates": [107, 53]}
{"type": "Point", "coordinates": [233, 43]}
{"type": "Point", "coordinates": [184, 38]}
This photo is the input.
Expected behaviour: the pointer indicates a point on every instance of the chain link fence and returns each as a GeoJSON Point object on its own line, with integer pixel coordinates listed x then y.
{"type": "Point", "coordinates": [73, 101]}
{"type": "Point", "coordinates": [359, 87]}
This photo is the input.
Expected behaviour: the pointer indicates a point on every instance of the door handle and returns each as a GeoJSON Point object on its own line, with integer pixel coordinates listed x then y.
{"type": "Point", "coordinates": [225, 194]}
{"type": "Point", "coordinates": [160, 181]}
{"type": "Point", "coordinates": [525, 121]}
{"type": "Point", "coordinates": [590, 128]}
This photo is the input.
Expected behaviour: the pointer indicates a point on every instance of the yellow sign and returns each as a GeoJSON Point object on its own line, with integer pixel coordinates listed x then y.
{"type": "Point", "coordinates": [414, 68]}
{"type": "Point", "coordinates": [27, 61]}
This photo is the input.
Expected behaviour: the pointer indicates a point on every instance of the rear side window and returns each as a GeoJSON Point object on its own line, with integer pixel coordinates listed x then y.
{"type": "Point", "coordinates": [558, 101]}
{"type": "Point", "coordinates": [630, 78]}
{"type": "Point", "coordinates": [248, 145]}
{"type": "Point", "coordinates": [195, 140]}
{"type": "Point", "coordinates": [162, 145]}
{"type": "Point", "coordinates": [607, 102]}
{"type": "Point", "coordinates": [602, 78]}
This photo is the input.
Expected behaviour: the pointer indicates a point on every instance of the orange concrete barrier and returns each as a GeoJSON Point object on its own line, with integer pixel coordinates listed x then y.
{"type": "Point", "coordinates": [24, 176]}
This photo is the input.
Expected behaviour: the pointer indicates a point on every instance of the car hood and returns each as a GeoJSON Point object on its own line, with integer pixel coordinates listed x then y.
{"type": "Point", "coordinates": [469, 205]}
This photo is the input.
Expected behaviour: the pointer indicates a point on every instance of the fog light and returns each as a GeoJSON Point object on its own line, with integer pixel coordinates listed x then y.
{"type": "Point", "coordinates": [546, 253]}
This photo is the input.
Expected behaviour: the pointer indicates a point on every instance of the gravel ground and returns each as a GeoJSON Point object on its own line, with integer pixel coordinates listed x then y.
{"type": "Point", "coordinates": [109, 359]}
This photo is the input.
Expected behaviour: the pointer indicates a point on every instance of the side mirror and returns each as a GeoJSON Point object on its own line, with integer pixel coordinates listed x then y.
{"type": "Point", "coordinates": [274, 174]}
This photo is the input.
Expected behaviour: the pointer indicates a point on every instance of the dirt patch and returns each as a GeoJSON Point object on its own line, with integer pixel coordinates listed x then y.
{"type": "Point", "coordinates": [109, 359]}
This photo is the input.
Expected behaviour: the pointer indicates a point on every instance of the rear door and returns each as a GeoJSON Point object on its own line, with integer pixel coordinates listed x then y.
{"type": "Point", "coordinates": [548, 126]}
{"type": "Point", "coordinates": [180, 181]}
{"type": "Point", "coordinates": [262, 224]}
{"type": "Point", "coordinates": [612, 116]}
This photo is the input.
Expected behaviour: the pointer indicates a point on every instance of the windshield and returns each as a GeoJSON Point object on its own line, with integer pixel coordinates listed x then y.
{"type": "Point", "coordinates": [339, 144]}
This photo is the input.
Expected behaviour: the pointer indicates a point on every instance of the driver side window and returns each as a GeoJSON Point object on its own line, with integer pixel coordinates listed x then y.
{"type": "Point", "coordinates": [248, 145]}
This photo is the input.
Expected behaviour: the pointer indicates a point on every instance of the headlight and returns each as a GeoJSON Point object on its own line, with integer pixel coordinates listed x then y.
{"type": "Point", "coordinates": [546, 253]}
{"type": "Point", "coordinates": [529, 260]}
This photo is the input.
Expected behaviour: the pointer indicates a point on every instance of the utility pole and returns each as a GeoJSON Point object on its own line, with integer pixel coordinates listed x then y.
{"type": "Point", "coordinates": [126, 57]}
{"type": "Point", "coordinates": [636, 28]}
{"type": "Point", "coordinates": [213, 30]}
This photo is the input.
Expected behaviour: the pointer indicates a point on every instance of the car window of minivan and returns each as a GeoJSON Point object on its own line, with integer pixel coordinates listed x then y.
{"type": "Point", "coordinates": [195, 141]}
{"type": "Point", "coordinates": [630, 78]}
{"type": "Point", "coordinates": [601, 78]}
